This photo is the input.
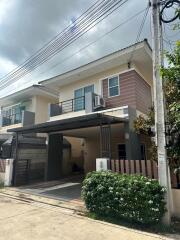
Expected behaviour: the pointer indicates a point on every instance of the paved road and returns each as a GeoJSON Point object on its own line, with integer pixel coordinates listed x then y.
{"type": "Point", "coordinates": [33, 221]}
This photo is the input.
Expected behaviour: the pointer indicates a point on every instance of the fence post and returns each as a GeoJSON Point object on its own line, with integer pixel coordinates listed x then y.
{"type": "Point", "coordinates": [8, 172]}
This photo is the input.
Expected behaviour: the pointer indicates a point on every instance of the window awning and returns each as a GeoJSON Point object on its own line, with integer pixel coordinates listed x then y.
{"type": "Point", "coordinates": [90, 120]}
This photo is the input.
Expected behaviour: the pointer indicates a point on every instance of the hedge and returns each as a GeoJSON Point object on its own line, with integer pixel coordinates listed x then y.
{"type": "Point", "coordinates": [133, 197]}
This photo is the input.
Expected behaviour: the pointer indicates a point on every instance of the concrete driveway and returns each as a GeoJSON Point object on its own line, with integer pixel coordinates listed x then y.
{"type": "Point", "coordinates": [66, 189]}
{"type": "Point", "coordinates": [20, 220]}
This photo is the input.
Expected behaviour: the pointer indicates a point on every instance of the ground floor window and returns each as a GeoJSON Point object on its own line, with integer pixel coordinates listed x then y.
{"type": "Point", "coordinates": [143, 152]}
{"type": "Point", "coordinates": [121, 151]}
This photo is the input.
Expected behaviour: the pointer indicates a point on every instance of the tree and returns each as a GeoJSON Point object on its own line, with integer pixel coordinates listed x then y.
{"type": "Point", "coordinates": [171, 86]}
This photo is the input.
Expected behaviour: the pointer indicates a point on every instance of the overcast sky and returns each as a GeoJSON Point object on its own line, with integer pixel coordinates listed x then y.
{"type": "Point", "coordinates": [26, 25]}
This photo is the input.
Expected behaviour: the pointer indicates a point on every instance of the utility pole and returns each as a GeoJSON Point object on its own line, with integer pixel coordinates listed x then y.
{"type": "Point", "coordinates": [160, 139]}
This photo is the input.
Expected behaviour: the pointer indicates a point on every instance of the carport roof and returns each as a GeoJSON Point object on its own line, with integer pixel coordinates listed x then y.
{"type": "Point", "coordinates": [89, 120]}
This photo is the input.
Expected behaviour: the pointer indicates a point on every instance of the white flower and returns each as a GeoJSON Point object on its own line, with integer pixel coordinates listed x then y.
{"type": "Point", "coordinates": [147, 183]}
{"type": "Point", "coordinates": [121, 199]}
{"type": "Point", "coordinates": [150, 202]}
{"type": "Point", "coordinates": [155, 209]}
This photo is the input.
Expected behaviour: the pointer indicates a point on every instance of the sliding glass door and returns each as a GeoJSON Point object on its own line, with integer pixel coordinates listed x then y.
{"type": "Point", "coordinates": [79, 103]}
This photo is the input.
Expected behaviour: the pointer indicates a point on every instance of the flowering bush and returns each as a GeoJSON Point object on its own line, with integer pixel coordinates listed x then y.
{"type": "Point", "coordinates": [133, 197]}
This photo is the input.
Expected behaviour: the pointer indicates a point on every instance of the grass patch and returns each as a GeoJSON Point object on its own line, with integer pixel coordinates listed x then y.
{"type": "Point", "coordinates": [174, 228]}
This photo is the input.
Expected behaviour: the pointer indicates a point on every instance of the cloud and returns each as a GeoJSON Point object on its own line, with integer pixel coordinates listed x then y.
{"type": "Point", "coordinates": [6, 65]}
{"type": "Point", "coordinates": [25, 26]}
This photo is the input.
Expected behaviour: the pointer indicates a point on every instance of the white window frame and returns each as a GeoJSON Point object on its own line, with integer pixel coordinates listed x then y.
{"type": "Point", "coordinates": [113, 86]}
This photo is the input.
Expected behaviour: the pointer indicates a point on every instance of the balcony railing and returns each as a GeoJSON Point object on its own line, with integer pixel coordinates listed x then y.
{"type": "Point", "coordinates": [24, 117]}
{"type": "Point", "coordinates": [72, 105]}
{"type": "Point", "coordinates": [11, 119]}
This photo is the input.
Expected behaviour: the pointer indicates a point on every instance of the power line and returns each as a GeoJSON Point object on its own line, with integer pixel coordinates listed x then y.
{"type": "Point", "coordinates": [88, 45]}
{"type": "Point", "coordinates": [19, 76]}
{"type": "Point", "coordinates": [65, 33]}
{"type": "Point", "coordinates": [170, 4]}
{"type": "Point", "coordinates": [139, 32]}
{"type": "Point", "coordinates": [100, 13]}
{"type": "Point", "coordinates": [56, 36]}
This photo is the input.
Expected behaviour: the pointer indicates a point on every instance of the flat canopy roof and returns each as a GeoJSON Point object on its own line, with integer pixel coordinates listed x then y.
{"type": "Point", "coordinates": [89, 120]}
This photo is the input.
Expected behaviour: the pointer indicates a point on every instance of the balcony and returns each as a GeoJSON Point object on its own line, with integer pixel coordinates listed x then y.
{"type": "Point", "coordinates": [11, 119]}
{"type": "Point", "coordinates": [24, 117]}
{"type": "Point", "coordinates": [68, 106]}
{"type": "Point", "coordinates": [91, 102]}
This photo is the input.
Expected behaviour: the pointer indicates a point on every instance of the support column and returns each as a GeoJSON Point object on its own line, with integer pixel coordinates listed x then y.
{"type": "Point", "coordinates": [15, 158]}
{"type": "Point", "coordinates": [55, 156]}
{"type": "Point", "coordinates": [132, 140]}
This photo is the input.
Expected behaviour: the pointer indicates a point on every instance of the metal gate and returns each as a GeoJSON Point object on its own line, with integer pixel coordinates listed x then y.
{"type": "Point", "coordinates": [105, 140]}
{"type": "Point", "coordinates": [21, 171]}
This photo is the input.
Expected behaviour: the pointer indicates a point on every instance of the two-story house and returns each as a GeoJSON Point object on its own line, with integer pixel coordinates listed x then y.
{"type": "Point", "coordinates": [97, 105]}
{"type": "Point", "coordinates": [24, 108]}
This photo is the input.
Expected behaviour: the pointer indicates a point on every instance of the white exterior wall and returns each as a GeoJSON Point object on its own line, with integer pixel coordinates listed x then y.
{"type": "Point", "coordinates": [67, 91]}
{"type": "Point", "coordinates": [176, 202]}
{"type": "Point", "coordinates": [4, 129]}
{"type": "Point", "coordinates": [38, 105]}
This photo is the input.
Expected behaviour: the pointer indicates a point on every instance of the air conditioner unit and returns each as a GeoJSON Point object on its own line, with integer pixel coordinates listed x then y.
{"type": "Point", "coordinates": [99, 102]}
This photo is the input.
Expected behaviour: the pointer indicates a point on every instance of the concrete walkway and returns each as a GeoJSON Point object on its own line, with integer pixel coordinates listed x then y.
{"type": "Point", "coordinates": [23, 220]}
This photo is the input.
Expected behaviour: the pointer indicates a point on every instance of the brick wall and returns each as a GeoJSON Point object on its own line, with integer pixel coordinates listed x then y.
{"type": "Point", "coordinates": [134, 92]}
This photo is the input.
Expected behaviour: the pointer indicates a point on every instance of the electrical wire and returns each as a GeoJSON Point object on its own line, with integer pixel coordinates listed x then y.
{"type": "Point", "coordinates": [63, 33]}
{"type": "Point", "coordinates": [48, 43]}
{"type": "Point", "coordinates": [100, 14]}
{"type": "Point", "coordinates": [139, 33]}
{"type": "Point", "coordinates": [90, 44]}
{"type": "Point", "coordinates": [169, 4]}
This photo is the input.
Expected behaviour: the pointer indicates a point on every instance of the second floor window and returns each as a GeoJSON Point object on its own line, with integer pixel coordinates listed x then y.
{"type": "Point", "coordinates": [79, 94]}
{"type": "Point", "coordinates": [113, 86]}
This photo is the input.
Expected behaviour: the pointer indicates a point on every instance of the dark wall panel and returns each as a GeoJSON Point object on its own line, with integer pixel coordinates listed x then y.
{"type": "Point", "coordinates": [55, 156]}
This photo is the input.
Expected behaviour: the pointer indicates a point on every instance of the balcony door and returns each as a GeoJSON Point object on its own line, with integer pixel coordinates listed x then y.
{"type": "Point", "coordinates": [79, 94]}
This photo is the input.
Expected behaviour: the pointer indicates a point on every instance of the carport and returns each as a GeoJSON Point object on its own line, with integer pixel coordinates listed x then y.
{"type": "Point", "coordinates": [55, 131]}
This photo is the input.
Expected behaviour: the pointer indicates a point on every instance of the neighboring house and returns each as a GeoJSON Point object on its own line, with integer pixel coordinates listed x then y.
{"type": "Point", "coordinates": [24, 108]}
{"type": "Point", "coordinates": [94, 116]}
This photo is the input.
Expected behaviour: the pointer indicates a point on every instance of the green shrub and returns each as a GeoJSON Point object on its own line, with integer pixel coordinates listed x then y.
{"type": "Point", "coordinates": [133, 197]}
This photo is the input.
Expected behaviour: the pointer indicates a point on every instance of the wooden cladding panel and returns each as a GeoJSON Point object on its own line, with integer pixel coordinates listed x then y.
{"type": "Point", "coordinates": [134, 92]}
{"type": "Point", "coordinates": [143, 94]}
{"type": "Point", "coordinates": [143, 167]}
{"type": "Point", "coordinates": [126, 97]}
{"type": "Point", "coordinates": [146, 168]}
